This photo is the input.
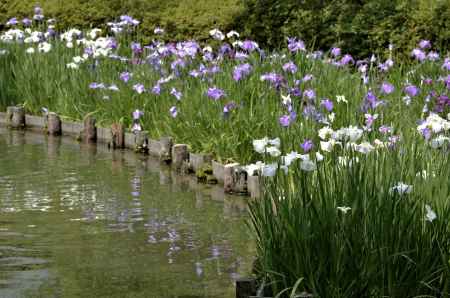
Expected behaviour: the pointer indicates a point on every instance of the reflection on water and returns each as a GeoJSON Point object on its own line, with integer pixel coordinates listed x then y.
{"type": "Point", "coordinates": [80, 221]}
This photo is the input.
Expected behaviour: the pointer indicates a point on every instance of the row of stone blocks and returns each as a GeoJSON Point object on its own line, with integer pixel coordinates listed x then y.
{"type": "Point", "coordinates": [233, 177]}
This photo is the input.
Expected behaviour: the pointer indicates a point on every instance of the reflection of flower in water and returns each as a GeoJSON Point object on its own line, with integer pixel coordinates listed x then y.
{"type": "Point", "coordinates": [136, 186]}
{"type": "Point", "coordinates": [199, 269]}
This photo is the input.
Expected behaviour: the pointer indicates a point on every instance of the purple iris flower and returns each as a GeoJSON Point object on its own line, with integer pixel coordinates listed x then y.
{"type": "Point", "coordinates": [426, 133]}
{"type": "Point", "coordinates": [241, 71]}
{"type": "Point", "coordinates": [295, 92]}
{"type": "Point", "coordinates": [136, 48]}
{"type": "Point", "coordinates": [424, 44]}
{"type": "Point", "coordinates": [285, 120]}
{"type": "Point", "coordinates": [229, 107]}
{"type": "Point", "coordinates": [137, 114]}
{"type": "Point", "coordinates": [276, 79]}
{"type": "Point", "coordinates": [433, 56]}
{"type": "Point", "coordinates": [38, 10]}
{"type": "Point", "coordinates": [12, 22]}
{"type": "Point", "coordinates": [95, 85]}
{"type": "Point", "coordinates": [347, 59]}
{"type": "Point", "coordinates": [26, 22]}
{"type": "Point", "coordinates": [310, 94]}
{"type": "Point", "coordinates": [387, 88]}
{"type": "Point", "coordinates": [384, 129]}
{"type": "Point", "coordinates": [139, 88]}
{"type": "Point", "coordinates": [290, 67]}
{"type": "Point", "coordinates": [156, 89]}
{"type": "Point", "coordinates": [307, 78]}
{"type": "Point", "coordinates": [412, 90]}
{"type": "Point", "coordinates": [307, 145]}
{"type": "Point", "coordinates": [249, 45]}
{"type": "Point", "coordinates": [176, 93]}
{"type": "Point", "coordinates": [225, 49]}
{"type": "Point", "coordinates": [327, 104]}
{"type": "Point", "coordinates": [125, 76]}
{"type": "Point", "coordinates": [295, 45]}
{"type": "Point", "coordinates": [446, 64]}
{"type": "Point", "coordinates": [136, 127]}
{"type": "Point", "coordinates": [371, 101]}
{"type": "Point", "coordinates": [240, 56]}
{"type": "Point", "coordinates": [215, 93]}
{"type": "Point", "coordinates": [335, 52]}
{"type": "Point", "coordinates": [418, 54]}
{"type": "Point", "coordinates": [173, 111]}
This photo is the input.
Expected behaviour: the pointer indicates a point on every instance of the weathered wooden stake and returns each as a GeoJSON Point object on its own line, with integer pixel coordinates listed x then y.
{"type": "Point", "coordinates": [53, 124]}
{"type": "Point", "coordinates": [90, 130]}
{"type": "Point", "coordinates": [245, 287]}
{"type": "Point", "coordinates": [15, 117]}
{"type": "Point", "coordinates": [166, 148]}
{"type": "Point", "coordinates": [141, 142]}
{"type": "Point", "coordinates": [254, 186]}
{"type": "Point", "coordinates": [180, 155]}
{"type": "Point", "coordinates": [228, 177]}
{"type": "Point", "coordinates": [117, 136]}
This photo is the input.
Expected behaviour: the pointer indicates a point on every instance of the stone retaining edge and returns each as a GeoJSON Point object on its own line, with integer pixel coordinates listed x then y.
{"type": "Point", "coordinates": [229, 175]}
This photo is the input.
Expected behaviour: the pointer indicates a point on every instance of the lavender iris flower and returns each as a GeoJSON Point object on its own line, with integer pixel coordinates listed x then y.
{"type": "Point", "coordinates": [387, 88]}
{"type": "Point", "coordinates": [156, 89]}
{"type": "Point", "coordinates": [285, 120]}
{"type": "Point", "coordinates": [310, 94]}
{"type": "Point", "coordinates": [241, 71]}
{"type": "Point", "coordinates": [446, 64]}
{"type": "Point", "coordinates": [418, 54]}
{"type": "Point", "coordinates": [335, 52]}
{"type": "Point", "coordinates": [26, 22]}
{"type": "Point", "coordinates": [215, 93]}
{"type": "Point", "coordinates": [136, 48]}
{"type": "Point", "coordinates": [412, 90]}
{"type": "Point", "coordinates": [249, 46]}
{"type": "Point", "coordinates": [139, 88]}
{"type": "Point", "coordinates": [425, 44]}
{"type": "Point", "coordinates": [176, 93]}
{"type": "Point", "coordinates": [295, 45]}
{"type": "Point", "coordinates": [327, 104]}
{"type": "Point", "coordinates": [290, 67]}
{"type": "Point", "coordinates": [307, 145]}
{"type": "Point", "coordinates": [125, 76]}
{"type": "Point", "coordinates": [95, 85]}
{"type": "Point", "coordinates": [137, 114]}
{"type": "Point", "coordinates": [347, 59]}
{"type": "Point", "coordinates": [12, 22]}
{"type": "Point", "coordinates": [173, 111]}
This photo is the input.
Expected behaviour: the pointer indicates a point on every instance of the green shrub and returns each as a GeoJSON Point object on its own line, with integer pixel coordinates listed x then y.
{"type": "Point", "coordinates": [182, 19]}
{"type": "Point", "coordinates": [359, 27]}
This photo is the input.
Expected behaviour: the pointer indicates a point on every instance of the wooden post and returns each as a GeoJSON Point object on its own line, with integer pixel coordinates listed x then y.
{"type": "Point", "coordinates": [253, 186]}
{"type": "Point", "coordinates": [141, 142]}
{"type": "Point", "coordinates": [166, 144]}
{"type": "Point", "coordinates": [90, 130]}
{"type": "Point", "coordinates": [245, 287]}
{"type": "Point", "coordinates": [117, 136]}
{"type": "Point", "coordinates": [53, 124]}
{"type": "Point", "coordinates": [15, 117]}
{"type": "Point", "coordinates": [229, 176]}
{"type": "Point", "coordinates": [180, 155]}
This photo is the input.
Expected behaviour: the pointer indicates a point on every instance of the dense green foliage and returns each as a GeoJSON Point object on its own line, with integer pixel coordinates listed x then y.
{"type": "Point", "coordinates": [342, 231]}
{"type": "Point", "coordinates": [182, 19]}
{"type": "Point", "coordinates": [360, 27]}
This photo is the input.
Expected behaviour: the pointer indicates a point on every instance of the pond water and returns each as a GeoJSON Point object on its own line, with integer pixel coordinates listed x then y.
{"type": "Point", "coordinates": [82, 221]}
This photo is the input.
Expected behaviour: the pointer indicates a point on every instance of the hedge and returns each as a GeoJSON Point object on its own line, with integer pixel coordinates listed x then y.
{"type": "Point", "coordinates": [359, 27]}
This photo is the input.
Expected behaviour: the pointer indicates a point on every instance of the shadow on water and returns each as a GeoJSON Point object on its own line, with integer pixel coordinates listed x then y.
{"type": "Point", "coordinates": [78, 220]}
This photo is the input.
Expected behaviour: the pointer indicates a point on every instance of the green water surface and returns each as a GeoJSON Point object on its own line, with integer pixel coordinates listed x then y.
{"type": "Point", "coordinates": [82, 221]}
